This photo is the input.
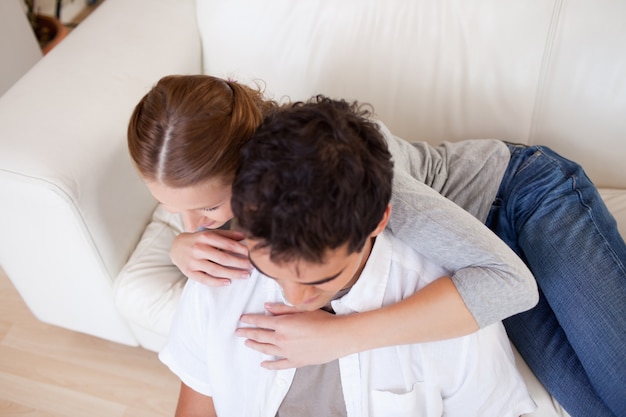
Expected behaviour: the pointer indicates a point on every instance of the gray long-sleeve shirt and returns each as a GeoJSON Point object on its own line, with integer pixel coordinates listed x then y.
{"type": "Point", "coordinates": [492, 280]}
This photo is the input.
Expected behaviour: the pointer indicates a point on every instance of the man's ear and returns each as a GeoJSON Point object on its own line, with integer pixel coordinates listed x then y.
{"type": "Point", "coordinates": [383, 222]}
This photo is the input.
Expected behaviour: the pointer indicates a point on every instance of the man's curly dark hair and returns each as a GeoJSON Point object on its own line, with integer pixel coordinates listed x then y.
{"type": "Point", "coordinates": [316, 175]}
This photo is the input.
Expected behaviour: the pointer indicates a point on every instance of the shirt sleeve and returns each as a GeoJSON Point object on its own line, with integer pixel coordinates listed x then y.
{"type": "Point", "coordinates": [187, 346]}
{"type": "Point", "coordinates": [492, 280]}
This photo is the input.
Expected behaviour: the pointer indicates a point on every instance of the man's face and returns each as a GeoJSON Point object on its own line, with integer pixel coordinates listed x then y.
{"type": "Point", "coordinates": [310, 286]}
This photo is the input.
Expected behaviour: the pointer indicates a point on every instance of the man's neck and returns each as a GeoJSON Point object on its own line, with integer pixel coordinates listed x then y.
{"type": "Point", "coordinates": [367, 250]}
{"type": "Point", "coordinates": [365, 254]}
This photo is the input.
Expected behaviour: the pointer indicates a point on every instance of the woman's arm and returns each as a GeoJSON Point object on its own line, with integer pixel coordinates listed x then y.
{"type": "Point", "coordinates": [488, 282]}
{"type": "Point", "coordinates": [491, 276]}
{"type": "Point", "coordinates": [435, 312]}
{"type": "Point", "coordinates": [492, 280]}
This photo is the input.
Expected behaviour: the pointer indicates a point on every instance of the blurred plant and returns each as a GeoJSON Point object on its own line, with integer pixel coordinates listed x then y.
{"type": "Point", "coordinates": [44, 27]}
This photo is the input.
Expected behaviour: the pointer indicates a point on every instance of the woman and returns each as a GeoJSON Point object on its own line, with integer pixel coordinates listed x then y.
{"type": "Point", "coordinates": [184, 138]}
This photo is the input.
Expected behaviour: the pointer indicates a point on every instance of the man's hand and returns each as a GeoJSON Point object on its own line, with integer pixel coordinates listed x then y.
{"type": "Point", "coordinates": [212, 257]}
{"type": "Point", "coordinates": [297, 338]}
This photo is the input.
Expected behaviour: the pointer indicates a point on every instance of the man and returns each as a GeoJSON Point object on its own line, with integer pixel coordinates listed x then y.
{"type": "Point", "coordinates": [312, 197]}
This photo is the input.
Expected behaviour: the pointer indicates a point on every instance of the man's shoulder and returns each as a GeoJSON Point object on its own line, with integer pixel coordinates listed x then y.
{"type": "Point", "coordinates": [235, 299]}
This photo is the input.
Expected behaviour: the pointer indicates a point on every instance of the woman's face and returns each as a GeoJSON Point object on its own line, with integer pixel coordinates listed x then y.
{"type": "Point", "coordinates": [206, 204]}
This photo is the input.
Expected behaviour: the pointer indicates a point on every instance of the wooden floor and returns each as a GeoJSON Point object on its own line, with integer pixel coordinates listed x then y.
{"type": "Point", "coordinates": [46, 371]}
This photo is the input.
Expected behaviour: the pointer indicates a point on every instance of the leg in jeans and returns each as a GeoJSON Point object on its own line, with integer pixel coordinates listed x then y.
{"type": "Point", "coordinates": [574, 340]}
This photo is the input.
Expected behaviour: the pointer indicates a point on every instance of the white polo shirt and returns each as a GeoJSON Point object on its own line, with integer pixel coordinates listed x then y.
{"type": "Point", "coordinates": [474, 375]}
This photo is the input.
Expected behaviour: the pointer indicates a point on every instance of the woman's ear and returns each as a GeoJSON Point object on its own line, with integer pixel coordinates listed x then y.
{"type": "Point", "coordinates": [383, 222]}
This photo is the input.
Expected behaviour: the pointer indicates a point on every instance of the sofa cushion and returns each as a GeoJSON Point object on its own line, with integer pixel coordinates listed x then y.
{"type": "Point", "coordinates": [616, 202]}
{"type": "Point", "coordinates": [147, 289]}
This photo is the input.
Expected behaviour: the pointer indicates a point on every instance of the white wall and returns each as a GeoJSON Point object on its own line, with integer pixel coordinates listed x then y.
{"type": "Point", "coordinates": [19, 49]}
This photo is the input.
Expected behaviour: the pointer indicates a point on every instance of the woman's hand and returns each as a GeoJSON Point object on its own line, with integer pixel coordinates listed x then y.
{"type": "Point", "coordinates": [435, 312]}
{"type": "Point", "coordinates": [212, 257]}
{"type": "Point", "coordinates": [297, 338]}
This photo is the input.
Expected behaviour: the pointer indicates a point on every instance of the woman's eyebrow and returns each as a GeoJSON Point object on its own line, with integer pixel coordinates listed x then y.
{"type": "Point", "coordinates": [318, 282]}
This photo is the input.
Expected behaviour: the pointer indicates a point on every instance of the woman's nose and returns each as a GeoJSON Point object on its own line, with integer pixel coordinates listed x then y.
{"type": "Point", "coordinates": [192, 221]}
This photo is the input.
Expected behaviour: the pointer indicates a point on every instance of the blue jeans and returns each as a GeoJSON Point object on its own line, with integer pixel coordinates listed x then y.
{"type": "Point", "coordinates": [550, 213]}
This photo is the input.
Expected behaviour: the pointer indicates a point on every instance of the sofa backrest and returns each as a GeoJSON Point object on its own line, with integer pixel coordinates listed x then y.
{"type": "Point", "coordinates": [529, 71]}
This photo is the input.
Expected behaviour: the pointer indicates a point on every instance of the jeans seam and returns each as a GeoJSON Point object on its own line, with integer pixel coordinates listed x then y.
{"type": "Point", "coordinates": [591, 215]}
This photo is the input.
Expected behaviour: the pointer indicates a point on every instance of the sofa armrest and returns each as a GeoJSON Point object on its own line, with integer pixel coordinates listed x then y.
{"type": "Point", "coordinates": [73, 207]}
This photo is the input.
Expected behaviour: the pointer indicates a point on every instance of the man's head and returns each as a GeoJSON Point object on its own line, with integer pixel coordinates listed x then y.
{"type": "Point", "coordinates": [312, 190]}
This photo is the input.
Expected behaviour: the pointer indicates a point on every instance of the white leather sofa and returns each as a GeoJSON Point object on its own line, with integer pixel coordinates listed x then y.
{"type": "Point", "coordinates": [78, 227]}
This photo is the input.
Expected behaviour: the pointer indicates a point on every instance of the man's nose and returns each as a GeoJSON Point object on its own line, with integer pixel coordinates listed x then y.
{"type": "Point", "coordinates": [297, 294]}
